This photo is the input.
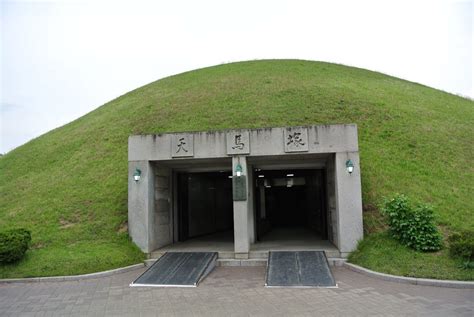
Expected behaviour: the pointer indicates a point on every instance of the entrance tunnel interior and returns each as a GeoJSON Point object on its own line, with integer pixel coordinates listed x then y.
{"type": "Point", "coordinates": [205, 205]}
{"type": "Point", "coordinates": [290, 204]}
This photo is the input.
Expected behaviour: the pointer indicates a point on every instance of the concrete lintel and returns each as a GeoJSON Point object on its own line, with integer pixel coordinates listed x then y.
{"type": "Point", "coordinates": [261, 142]}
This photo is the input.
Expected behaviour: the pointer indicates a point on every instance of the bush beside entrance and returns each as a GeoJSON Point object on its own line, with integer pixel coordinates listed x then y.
{"type": "Point", "coordinates": [412, 226]}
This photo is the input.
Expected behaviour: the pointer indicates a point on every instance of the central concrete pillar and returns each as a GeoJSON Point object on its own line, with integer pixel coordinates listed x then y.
{"type": "Point", "coordinates": [243, 213]}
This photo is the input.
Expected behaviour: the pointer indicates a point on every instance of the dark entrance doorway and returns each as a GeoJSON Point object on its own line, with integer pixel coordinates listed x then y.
{"type": "Point", "coordinates": [204, 204]}
{"type": "Point", "coordinates": [291, 200]}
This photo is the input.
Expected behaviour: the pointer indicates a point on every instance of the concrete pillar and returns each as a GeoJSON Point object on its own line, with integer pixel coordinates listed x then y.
{"type": "Point", "coordinates": [162, 224]}
{"type": "Point", "coordinates": [141, 204]}
{"type": "Point", "coordinates": [242, 213]}
{"type": "Point", "coordinates": [333, 222]}
{"type": "Point", "coordinates": [348, 202]}
{"type": "Point", "coordinates": [251, 205]}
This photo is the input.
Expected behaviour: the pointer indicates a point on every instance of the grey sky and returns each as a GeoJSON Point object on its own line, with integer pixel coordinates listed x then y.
{"type": "Point", "coordinates": [62, 59]}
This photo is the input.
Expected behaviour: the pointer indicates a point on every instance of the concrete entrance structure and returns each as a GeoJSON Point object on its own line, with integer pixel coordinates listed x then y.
{"type": "Point", "coordinates": [154, 200]}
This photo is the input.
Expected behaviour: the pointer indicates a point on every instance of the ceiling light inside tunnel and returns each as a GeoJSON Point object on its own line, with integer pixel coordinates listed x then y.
{"type": "Point", "coordinates": [261, 176]}
{"type": "Point", "coordinates": [290, 175]}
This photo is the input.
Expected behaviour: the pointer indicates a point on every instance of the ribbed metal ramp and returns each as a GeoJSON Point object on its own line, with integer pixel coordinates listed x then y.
{"type": "Point", "coordinates": [298, 269]}
{"type": "Point", "coordinates": [178, 269]}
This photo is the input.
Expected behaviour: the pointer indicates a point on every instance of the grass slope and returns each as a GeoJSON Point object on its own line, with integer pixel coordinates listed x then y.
{"type": "Point", "coordinates": [69, 186]}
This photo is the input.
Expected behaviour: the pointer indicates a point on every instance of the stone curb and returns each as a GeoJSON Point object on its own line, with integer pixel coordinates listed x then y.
{"type": "Point", "coordinates": [72, 277]}
{"type": "Point", "coordinates": [410, 280]}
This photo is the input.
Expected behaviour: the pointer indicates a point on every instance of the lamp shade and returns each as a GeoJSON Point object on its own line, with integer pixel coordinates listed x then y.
{"type": "Point", "coordinates": [238, 170]}
{"type": "Point", "coordinates": [349, 166]}
{"type": "Point", "coordinates": [137, 174]}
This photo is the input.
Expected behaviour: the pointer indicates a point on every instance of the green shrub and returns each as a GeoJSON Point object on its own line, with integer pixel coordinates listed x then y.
{"type": "Point", "coordinates": [461, 245]}
{"type": "Point", "coordinates": [412, 226]}
{"type": "Point", "coordinates": [13, 244]}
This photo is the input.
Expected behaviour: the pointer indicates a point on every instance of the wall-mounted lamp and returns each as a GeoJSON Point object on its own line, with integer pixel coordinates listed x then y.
{"type": "Point", "coordinates": [137, 174]}
{"type": "Point", "coordinates": [238, 170]}
{"type": "Point", "coordinates": [349, 166]}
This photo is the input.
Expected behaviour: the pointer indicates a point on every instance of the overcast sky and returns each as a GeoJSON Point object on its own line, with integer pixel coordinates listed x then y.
{"type": "Point", "coordinates": [62, 59]}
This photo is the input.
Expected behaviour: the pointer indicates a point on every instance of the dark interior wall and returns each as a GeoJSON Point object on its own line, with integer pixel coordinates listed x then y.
{"type": "Point", "coordinates": [286, 207]}
{"type": "Point", "coordinates": [301, 205]}
{"type": "Point", "coordinates": [205, 204]}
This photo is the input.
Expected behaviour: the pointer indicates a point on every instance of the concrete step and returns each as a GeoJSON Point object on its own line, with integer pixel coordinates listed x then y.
{"type": "Point", "coordinates": [336, 261]}
{"type": "Point", "coordinates": [226, 255]}
{"type": "Point", "coordinates": [220, 254]}
{"type": "Point", "coordinates": [333, 261]}
{"type": "Point", "coordinates": [332, 253]}
{"type": "Point", "coordinates": [156, 254]}
{"type": "Point", "coordinates": [238, 262]}
{"type": "Point", "coordinates": [257, 255]}
{"type": "Point", "coordinates": [264, 254]}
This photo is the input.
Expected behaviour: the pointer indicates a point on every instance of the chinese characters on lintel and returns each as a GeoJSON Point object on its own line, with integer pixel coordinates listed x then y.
{"type": "Point", "coordinates": [295, 139]}
{"type": "Point", "coordinates": [239, 145]}
{"type": "Point", "coordinates": [181, 145]}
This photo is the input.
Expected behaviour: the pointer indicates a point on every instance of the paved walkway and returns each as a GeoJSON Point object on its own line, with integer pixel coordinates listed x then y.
{"type": "Point", "coordinates": [231, 291]}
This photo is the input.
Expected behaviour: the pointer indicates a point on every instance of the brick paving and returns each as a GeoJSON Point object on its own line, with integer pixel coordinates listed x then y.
{"type": "Point", "coordinates": [232, 291]}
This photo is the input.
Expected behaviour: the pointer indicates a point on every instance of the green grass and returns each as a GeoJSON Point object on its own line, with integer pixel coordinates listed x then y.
{"type": "Point", "coordinates": [69, 186]}
{"type": "Point", "coordinates": [382, 253]}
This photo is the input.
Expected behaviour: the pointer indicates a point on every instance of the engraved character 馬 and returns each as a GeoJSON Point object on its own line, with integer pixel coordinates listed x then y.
{"type": "Point", "coordinates": [238, 142]}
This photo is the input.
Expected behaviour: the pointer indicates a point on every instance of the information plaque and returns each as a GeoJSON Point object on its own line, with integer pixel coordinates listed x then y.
{"type": "Point", "coordinates": [239, 188]}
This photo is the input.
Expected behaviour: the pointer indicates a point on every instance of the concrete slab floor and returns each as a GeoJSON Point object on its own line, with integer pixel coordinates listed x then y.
{"type": "Point", "coordinates": [218, 242]}
{"type": "Point", "coordinates": [292, 239]}
{"type": "Point", "coordinates": [279, 239]}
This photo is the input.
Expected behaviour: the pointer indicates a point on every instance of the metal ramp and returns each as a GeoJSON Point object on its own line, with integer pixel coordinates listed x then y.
{"type": "Point", "coordinates": [178, 269]}
{"type": "Point", "coordinates": [298, 269]}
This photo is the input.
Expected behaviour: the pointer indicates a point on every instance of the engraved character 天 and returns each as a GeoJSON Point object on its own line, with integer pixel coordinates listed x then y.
{"type": "Point", "coordinates": [181, 145]}
{"type": "Point", "coordinates": [238, 142]}
{"type": "Point", "coordinates": [295, 139]}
